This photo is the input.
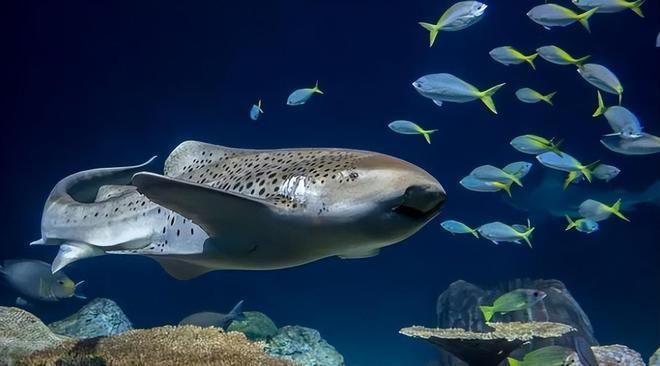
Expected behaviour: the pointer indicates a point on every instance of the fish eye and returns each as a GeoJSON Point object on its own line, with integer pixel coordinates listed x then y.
{"type": "Point", "coordinates": [60, 282]}
{"type": "Point", "coordinates": [536, 294]}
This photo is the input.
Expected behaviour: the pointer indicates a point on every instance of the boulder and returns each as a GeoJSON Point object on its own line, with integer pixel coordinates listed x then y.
{"type": "Point", "coordinates": [303, 346]}
{"type": "Point", "coordinates": [614, 355]}
{"type": "Point", "coordinates": [256, 326]}
{"type": "Point", "coordinates": [99, 318]}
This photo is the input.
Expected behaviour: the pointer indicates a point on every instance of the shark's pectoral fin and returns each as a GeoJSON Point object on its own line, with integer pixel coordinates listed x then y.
{"type": "Point", "coordinates": [181, 270]}
{"type": "Point", "coordinates": [71, 252]}
{"type": "Point", "coordinates": [212, 209]}
{"type": "Point", "coordinates": [359, 254]}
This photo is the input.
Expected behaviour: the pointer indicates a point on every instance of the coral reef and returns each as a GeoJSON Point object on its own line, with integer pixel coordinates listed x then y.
{"type": "Point", "coordinates": [614, 355]}
{"type": "Point", "coordinates": [304, 346]}
{"type": "Point", "coordinates": [256, 326]}
{"type": "Point", "coordinates": [163, 346]}
{"type": "Point", "coordinates": [487, 348]}
{"type": "Point", "coordinates": [99, 318]}
{"type": "Point", "coordinates": [22, 333]}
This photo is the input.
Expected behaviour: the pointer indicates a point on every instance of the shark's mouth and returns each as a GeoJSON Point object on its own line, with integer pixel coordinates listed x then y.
{"type": "Point", "coordinates": [420, 202]}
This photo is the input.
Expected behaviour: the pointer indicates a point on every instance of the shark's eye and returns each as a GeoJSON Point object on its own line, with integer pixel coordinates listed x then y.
{"type": "Point", "coordinates": [536, 294]}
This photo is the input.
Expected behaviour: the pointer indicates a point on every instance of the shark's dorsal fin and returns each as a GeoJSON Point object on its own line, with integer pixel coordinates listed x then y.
{"type": "Point", "coordinates": [212, 209]}
{"type": "Point", "coordinates": [194, 155]}
{"type": "Point", "coordinates": [181, 270]}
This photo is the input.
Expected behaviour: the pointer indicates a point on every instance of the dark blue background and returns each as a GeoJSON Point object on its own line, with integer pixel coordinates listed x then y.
{"type": "Point", "coordinates": [95, 84]}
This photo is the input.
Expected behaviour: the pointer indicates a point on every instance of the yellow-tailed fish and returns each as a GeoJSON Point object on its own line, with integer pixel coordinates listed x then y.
{"type": "Point", "coordinates": [508, 55]}
{"type": "Point", "coordinates": [528, 95]}
{"type": "Point", "coordinates": [558, 56]}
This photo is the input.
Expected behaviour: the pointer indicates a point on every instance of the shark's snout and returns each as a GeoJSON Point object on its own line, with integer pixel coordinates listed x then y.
{"type": "Point", "coordinates": [420, 201]}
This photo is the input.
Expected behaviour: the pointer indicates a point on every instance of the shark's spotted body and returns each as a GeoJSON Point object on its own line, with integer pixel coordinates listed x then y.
{"type": "Point", "coordinates": [224, 208]}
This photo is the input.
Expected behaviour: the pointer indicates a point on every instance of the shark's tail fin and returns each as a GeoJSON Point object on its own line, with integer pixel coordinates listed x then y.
{"type": "Point", "coordinates": [652, 194]}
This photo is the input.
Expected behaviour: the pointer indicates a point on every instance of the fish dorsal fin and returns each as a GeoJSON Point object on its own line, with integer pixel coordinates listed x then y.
{"type": "Point", "coordinates": [360, 253]}
{"type": "Point", "coordinates": [111, 191]}
{"type": "Point", "coordinates": [181, 270]}
{"type": "Point", "coordinates": [195, 155]}
{"type": "Point", "coordinates": [214, 210]}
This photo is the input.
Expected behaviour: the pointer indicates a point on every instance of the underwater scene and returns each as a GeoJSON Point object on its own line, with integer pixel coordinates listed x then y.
{"type": "Point", "coordinates": [317, 183]}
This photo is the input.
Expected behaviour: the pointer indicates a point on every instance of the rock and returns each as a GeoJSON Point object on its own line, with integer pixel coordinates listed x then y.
{"type": "Point", "coordinates": [303, 346]}
{"type": "Point", "coordinates": [256, 326]}
{"type": "Point", "coordinates": [458, 307]}
{"type": "Point", "coordinates": [162, 346]}
{"type": "Point", "coordinates": [655, 358]}
{"type": "Point", "coordinates": [614, 355]}
{"type": "Point", "coordinates": [22, 333]}
{"type": "Point", "coordinates": [99, 318]}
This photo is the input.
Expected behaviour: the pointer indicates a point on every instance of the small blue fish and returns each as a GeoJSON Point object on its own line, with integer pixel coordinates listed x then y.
{"type": "Point", "coordinates": [598, 211]}
{"type": "Point", "coordinates": [475, 184]}
{"type": "Point", "coordinates": [605, 172]}
{"type": "Point", "coordinates": [566, 163]}
{"type": "Point", "coordinates": [586, 226]}
{"type": "Point", "coordinates": [507, 55]}
{"type": "Point", "coordinates": [494, 174]}
{"type": "Point", "coordinates": [449, 88]}
{"type": "Point", "coordinates": [256, 111]}
{"type": "Point", "coordinates": [456, 227]}
{"type": "Point", "coordinates": [611, 6]}
{"type": "Point", "coordinates": [410, 128]}
{"type": "Point", "coordinates": [558, 56]}
{"type": "Point", "coordinates": [459, 16]}
{"type": "Point", "coordinates": [528, 95]}
{"type": "Point", "coordinates": [553, 15]}
{"type": "Point", "coordinates": [602, 78]}
{"type": "Point", "coordinates": [498, 232]}
{"type": "Point", "coordinates": [622, 121]}
{"type": "Point", "coordinates": [301, 96]}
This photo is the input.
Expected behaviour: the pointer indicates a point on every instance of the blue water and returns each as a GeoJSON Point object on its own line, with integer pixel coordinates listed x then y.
{"type": "Point", "coordinates": [111, 83]}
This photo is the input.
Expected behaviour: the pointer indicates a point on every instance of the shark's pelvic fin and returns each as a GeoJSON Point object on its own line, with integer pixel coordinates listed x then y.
{"type": "Point", "coordinates": [181, 270]}
{"type": "Point", "coordinates": [71, 252]}
{"type": "Point", "coordinates": [210, 208]}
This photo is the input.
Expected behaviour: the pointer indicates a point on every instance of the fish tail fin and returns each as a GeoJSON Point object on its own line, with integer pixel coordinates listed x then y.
{"type": "Point", "coordinates": [515, 179]}
{"type": "Point", "coordinates": [635, 6]}
{"type": "Point", "coordinates": [586, 170]}
{"type": "Point", "coordinates": [581, 60]}
{"type": "Point", "coordinates": [505, 186]}
{"type": "Point", "coordinates": [236, 312]}
{"type": "Point", "coordinates": [433, 31]}
{"type": "Point", "coordinates": [530, 60]}
{"type": "Point", "coordinates": [488, 312]}
{"type": "Point", "coordinates": [548, 98]}
{"type": "Point", "coordinates": [571, 223]}
{"type": "Point", "coordinates": [601, 106]}
{"type": "Point", "coordinates": [475, 233]}
{"type": "Point", "coordinates": [570, 178]}
{"type": "Point", "coordinates": [527, 234]}
{"type": "Point", "coordinates": [584, 18]}
{"type": "Point", "coordinates": [2, 271]}
{"type": "Point", "coordinates": [259, 106]}
{"type": "Point", "coordinates": [554, 147]}
{"type": "Point", "coordinates": [486, 97]}
{"type": "Point", "coordinates": [316, 89]}
{"type": "Point", "coordinates": [427, 134]}
{"type": "Point", "coordinates": [616, 210]}
{"type": "Point", "coordinates": [620, 98]}
{"type": "Point", "coordinates": [513, 362]}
